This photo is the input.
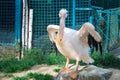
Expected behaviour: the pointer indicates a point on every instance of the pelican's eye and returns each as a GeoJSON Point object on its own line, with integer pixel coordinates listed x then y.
{"type": "Point", "coordinates": [56, 32]}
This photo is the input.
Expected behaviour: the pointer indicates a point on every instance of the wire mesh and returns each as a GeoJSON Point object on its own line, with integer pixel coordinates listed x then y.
{"type": "Point", "coordinates": [46, 12]}
{"type": "Point", "coordinates": [7, 22]}
{"type": "Point", "coordinates": [83, 12]}
{"type": "Point", "coordinates": [108, 25]}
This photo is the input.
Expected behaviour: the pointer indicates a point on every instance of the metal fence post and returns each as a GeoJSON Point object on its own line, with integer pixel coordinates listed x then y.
{"type": "Point", "coordinates": [73, 16]}
{"type": "Point", "coordinates": [18, 20]}
{"type": "Point", "coordinates": [91, 19]}
{"type": "Point", "coordinates": [107, 32]}
{"type": "Point", "coordinates": [18, 24]}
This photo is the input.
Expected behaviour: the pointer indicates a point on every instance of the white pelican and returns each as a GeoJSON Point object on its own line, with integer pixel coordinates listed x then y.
{"type": "Point", "coordinates": [71, 43]}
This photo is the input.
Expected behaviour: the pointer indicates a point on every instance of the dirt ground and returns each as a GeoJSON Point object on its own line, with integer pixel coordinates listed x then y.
{"type": "Point", "coordinates": [45, 69]}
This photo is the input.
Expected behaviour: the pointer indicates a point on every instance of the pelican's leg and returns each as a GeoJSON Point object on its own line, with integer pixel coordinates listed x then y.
{"type": "Point", "coordinates": [66, 66]}
{"type": "Point", "coordinates": [67, 62]}
{"type": "Point", "coordinates": [77, 65]}
{"type": "Point", "coordinates": [74, 73]}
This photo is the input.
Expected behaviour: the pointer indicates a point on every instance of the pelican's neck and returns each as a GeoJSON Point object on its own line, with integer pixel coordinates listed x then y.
{"type": "Point", "coordinates": [61, 28]}
{"type": "Point", "coordinates": [62, 21]}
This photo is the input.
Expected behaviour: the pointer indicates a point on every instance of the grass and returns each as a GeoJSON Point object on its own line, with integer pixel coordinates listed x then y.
{"type": "Point", "coordinates": [106, 60]}
{"type": "Point", "coordinates": [8, 75]}
{"type": "Point", "coordinates": [14, 65]}
{"type": "Point", "coordinates": [56, 70]}
{"type": "Point", "coordinates": [35, 56]}
{"type": "Point", "coordinates": [21, 78]}
{"type": "Point", "coordinates": [34, 76]}
{"type": "Point", "coordinates": [31, 58]}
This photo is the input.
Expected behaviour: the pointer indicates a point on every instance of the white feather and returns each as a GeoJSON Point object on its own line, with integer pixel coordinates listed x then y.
{"type": "Point", "coordinates": [75, 43]}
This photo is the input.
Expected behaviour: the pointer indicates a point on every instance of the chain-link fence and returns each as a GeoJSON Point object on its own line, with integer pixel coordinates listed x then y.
{"type": "Point", "coordinates": [7, 22]}
{"type": "Point", "coordinates": [107, 23]}
{"type": "Point", "coordinates": [45, 12]}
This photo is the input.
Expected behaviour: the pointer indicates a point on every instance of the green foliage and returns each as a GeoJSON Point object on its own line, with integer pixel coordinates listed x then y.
{"type": "Point", "coordinates": [26, 63]}
{"type": "Point", "coordinates": [20, 78]}
{"type": "Point", "coordinates": [106, 60]}
{"type": "Point", "coordinates": [56, 70]}
{"type": "Point", "coordinates": [31, 58]}
{"type": "Point", "coordinates": [40, 76]}
{"type": "Point", "coordinates": [8, 75]}
{"type": "Point", "coordinates": [14, 65]}
{"type": "Point", "coordinates": [40, 58]}
{"type": "Point", "coordinates": [34, 56]}
{"type": "Point", "coordinates": [35, 76]}
{"type": "Point", "coordinates": [7, 56]}
{"type": "Point", "coordinates": [53, 59]}
{"type": "Point", "coordinates": [9, 65]}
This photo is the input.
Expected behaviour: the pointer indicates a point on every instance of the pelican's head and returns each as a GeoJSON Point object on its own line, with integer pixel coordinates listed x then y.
{"type": "Point", "coordinates": [63, 13]}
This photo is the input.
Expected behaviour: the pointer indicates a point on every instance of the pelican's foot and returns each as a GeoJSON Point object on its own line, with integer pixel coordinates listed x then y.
{"type": "Point", "coordinates": [82, 68]}
{"type": "Point", "coordinates": [65, 69]}
{"type": "Point", "coordinates": [73, 74]}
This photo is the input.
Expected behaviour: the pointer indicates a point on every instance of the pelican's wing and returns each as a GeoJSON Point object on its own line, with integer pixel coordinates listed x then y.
{"type": "Point", "coordinates": [52, 27]}
{"type": "Point", "coordinates": [89, 36]}
{"type": "Point", "coordinates": [52, 31]}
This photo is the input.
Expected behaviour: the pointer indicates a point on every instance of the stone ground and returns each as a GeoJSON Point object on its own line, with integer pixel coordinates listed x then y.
{"type": "Point", "coordinates": [116, 72]}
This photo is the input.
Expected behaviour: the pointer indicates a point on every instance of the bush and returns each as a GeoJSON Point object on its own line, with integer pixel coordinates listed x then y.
{"type": "Point", "coordinates": [106, 60]}
{"type": "Point", "coordinates": [9, 65]}
{"type": "Point", "coordinates": [52, 59]}
{"type": "Point", "coordinates": [14, 65]}
{"type": "Point", "coordinates": [35, 76]}
{"type": "Point", "coordinates": [20, 78]}
{"type": "Point", "coordinates": [56, 70]}
{"type": "Point", "coordinates": [30, 59]}
{"type": "Point", "coordinates": [33, 57]}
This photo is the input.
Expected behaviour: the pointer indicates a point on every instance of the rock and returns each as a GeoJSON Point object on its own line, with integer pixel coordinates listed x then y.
{"type": "Point", "coordinates": [87, 73]}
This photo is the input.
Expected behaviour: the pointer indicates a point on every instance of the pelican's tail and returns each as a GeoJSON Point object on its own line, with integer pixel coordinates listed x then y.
{"type": "Point", "coordinates": [87, 59]}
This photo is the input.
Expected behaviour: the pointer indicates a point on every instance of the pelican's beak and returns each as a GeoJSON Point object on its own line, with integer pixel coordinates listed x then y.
{"type": "Point", "coordinates": [56, 50]}
{"type": "Point", "coordinates": [60, 37]}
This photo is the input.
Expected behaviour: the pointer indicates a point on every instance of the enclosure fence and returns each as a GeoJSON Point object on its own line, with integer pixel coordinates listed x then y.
{"type": "Point", "coordinates": [26, 21]}
{"type": "Point", "coordinates": [7, 22]}
{"type": "Point", "coordinates": [108, 24]}
{"type": "Point", "coordinates": [10, 22]}
{"type": "Point", "coordinates": [79, 11]}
